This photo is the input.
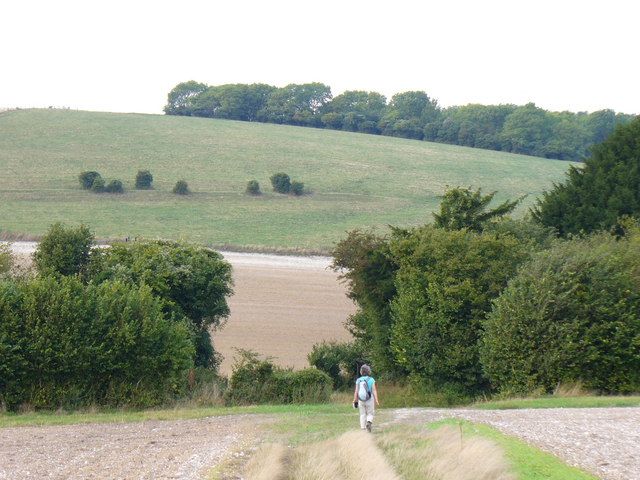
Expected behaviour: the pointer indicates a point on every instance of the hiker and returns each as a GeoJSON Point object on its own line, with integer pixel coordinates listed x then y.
{"type": "Point", "coordinates": [364, 395]}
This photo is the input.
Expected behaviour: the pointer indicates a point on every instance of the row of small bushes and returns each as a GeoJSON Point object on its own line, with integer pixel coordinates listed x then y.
{"type": "Point", "coordinates": [281, 183]}
{"type": "Point", "coordinates": [91, 180]}
{"type": "Point", "coordinates": [259, 381]}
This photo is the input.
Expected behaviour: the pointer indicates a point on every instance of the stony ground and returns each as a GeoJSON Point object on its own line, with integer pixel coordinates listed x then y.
{"type": "Point", "coordinates": [603, 441]}
{"type": "Point", "coordinates": [182, 449]}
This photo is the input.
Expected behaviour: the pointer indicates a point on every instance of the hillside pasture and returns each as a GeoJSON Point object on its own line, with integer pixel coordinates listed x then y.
{"type": "Point", "coordinates": [356, 180]}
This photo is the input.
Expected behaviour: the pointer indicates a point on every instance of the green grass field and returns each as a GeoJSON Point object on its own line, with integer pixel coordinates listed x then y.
{"type": "Point", "coordinates": [357, 180]}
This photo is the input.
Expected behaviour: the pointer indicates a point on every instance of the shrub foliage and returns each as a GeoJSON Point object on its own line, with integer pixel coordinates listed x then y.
{"type": "Point", "coordinates": [87, 179]}
{"type": "Point", "coordinates": [114, 186]}
{"type": "Point", "coordinates": [181, 188]}
{"type": "Point", "coordinates": [64, 250]}
{"type": "Point", "coordinates": [6, 259]}
{"type": "Point", "coordinates": [445, 284]}
{"type": "Point", "coordinates": [338, 360]}
{"type": "Point", "coordinates": [98, 185]}
{"type": "Point", "coordinates": [571, 314]}
{"type": "Point", "coordinates": [193, 282]}
{"type": "Point", "coordinates": [144, 179]}
{"type": "Point", "coordinates": [281, 182]}
{"type": "Point", "coordinates": [256, 381]}
{"type": "Point", "coordinates": [253, 188]}
{"type": "Point", "coordinates": [297, 188]}
{"type": "Point", "coordinates": [66, 344]}
{"type": "Point", "coordinates": [595, 196]}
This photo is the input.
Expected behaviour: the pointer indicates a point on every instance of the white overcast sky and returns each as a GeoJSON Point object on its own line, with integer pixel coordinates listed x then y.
{"type": "Point", "coordinates": [125, 56]}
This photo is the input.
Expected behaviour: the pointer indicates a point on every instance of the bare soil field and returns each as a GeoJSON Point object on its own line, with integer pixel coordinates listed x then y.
{"type": "Point", "coordinates": [182, 449]}
{"type": "Point", "coordinates": [282, 306]}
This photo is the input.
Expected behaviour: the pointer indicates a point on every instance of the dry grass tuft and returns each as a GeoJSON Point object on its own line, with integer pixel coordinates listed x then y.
{"type": "Point", "coordinates": [458, 458]}
{"type": "Point", "coordinates": [353, 456]}
{"type": "Point", "coordinates": [268, 463]}
{"type": "Point", "coordinates": [444, 455]}
{"type": "Point", "coordinates": [571, 389]}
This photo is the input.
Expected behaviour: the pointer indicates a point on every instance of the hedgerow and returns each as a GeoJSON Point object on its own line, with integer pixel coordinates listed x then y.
{"type": "Point", "coordinates": [571, 314]}
{"type": "Point", "coordinates": [67, 344]}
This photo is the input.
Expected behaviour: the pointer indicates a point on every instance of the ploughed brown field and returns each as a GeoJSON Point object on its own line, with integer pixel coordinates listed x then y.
{"type": "Point", "coordinates": [282, 306]}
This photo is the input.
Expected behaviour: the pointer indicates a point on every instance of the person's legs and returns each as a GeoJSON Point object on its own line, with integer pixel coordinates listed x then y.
{"type": "Point", "coordinates": [363, 414]}
{"type": "Point", "coordinates": [369, 412]}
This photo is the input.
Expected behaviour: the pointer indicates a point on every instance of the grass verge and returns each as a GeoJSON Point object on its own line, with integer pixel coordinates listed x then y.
{"type": "Point", "coordinates": [120, 416]}
{"type": "Point", "coordinates": [528, 463]}
{"type": "Point", "coordinates": [560, 402]}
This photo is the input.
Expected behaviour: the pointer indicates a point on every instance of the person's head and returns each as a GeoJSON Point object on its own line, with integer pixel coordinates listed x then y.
{"type": "Point", "coordinates": [365, 370]}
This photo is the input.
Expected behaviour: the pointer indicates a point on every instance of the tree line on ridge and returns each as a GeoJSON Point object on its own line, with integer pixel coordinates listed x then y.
{"type": "Point", "coordinates": [524, 129]}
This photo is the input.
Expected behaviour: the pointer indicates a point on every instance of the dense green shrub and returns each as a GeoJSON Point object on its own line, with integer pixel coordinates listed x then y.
{"type": "Point", "coordinates": [87, 179]}
{"type": "Point", "coordinates": [364, 261]}
{"type": "Point", "coordinates": [181, 188]}
{"type": "Point", "coordinates": [64, 251]}
{"type": "Point", "coordinates": [297, 188]}
{"type": "Point", "coordinates": [66, 344]}
{"type": "Point", "coordinates": [596, 195]}
{"type": "Point", "coordinates": [445, 284]}
{"type": "Point", "coordinates": [338, 360]}
{"type": "Point", "coordinates": [281, 182]}
{"type": "Point", "coordinates": [144, 179]}
{"type": "Point", "coordinates": [114, 186]}
{"type": "Point", "coordinates": [98, 185]}
{"type": "Point", "coordinates": [255, 381]}
{"type": "Point", "coordinates": [193, 281]}
{"type": "Point", "coordinates": [253, 188]}
{"type": "Point", "coordinates": [463, 208]}
{"type": "Point", "coordinates": [571, 314]}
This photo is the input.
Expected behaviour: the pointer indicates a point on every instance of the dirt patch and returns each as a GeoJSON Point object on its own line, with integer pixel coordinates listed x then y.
{"type": "Point", "coordinates": [603, 441]}
{"type": "Point", "coordinates": [184, 449]}
{"type": "Point", "coordinates": [282, 307]}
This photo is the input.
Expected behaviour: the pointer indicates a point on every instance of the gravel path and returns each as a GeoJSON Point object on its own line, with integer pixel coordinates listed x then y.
{"type": "Point", "coordinates": [182, 449]}
{"type": "Point", "coordinates": [603, 441]}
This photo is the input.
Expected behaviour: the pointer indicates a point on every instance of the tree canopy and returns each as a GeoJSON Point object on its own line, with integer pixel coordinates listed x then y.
{"type": "Point", "coordinates": [525, 129]}
{"type": "Point", "coordinates": [597, 195]}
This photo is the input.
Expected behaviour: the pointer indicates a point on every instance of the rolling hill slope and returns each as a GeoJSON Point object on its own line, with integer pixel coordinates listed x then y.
{"type": "Point", "coordinates": [357, 180]}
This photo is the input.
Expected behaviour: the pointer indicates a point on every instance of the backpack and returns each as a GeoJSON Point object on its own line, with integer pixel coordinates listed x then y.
{"type": "Point", "coordinates": [364, 392]}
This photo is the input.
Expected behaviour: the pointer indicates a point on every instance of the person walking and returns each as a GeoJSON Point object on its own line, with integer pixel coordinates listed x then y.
{"type": "Point", "coordinates": [364, 396]}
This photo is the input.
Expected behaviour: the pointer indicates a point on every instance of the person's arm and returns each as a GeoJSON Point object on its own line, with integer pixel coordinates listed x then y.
{"type": "Point", "coordinates": [375, 394]}
{"type": "Point", "coordinates": [355, 396]}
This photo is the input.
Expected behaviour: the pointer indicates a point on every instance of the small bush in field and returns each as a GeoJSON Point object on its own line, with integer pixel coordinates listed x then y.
{"type": "Point", "coordinates": [281, 182]}
{"type": "Point", "coordinates": [297, 188]}
{"type": "Point", "coordinates": [144, 179]}
{"type": "Point", "coordinates": [253, 188]}
{"type": "Point", "coordinates": [98, 185]}
{"type": "Point", "coordinates": [87, 179]}
{"type": "Point", "coordinates": [181, 188]}
{"type": "Point", "coordinates": [114, 186]}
